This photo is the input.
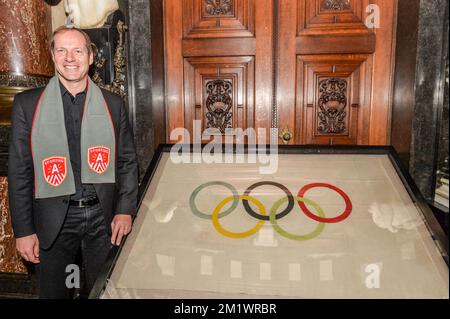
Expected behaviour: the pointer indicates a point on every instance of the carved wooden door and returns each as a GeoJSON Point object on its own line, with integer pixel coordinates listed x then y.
{"type": "Point", "coordinates": [318, 69]}
{"type": "Point", "coordinates": [218, 63]}
{"type": "Point", "coordinates": [335, 69]}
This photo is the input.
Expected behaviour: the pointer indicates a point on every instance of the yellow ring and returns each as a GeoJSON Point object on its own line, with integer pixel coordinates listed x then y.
{"type": "Point", "coordinates": [223, 231]}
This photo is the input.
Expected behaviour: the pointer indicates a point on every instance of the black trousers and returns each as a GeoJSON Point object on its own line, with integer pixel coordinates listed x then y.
{"type": "Point", "coordinates": [83, 228]}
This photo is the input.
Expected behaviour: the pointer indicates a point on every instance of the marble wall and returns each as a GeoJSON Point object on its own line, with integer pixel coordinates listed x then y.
{"type": "Point", "coordinates": [443, 140]}
{"type": "Point", "coordinates": [10, 260]}
{"type": "Point", "coordinates": [429, 93]}
{"type": "Point", "coordinates": [140, 79]}
{"type": "Point", "coordinates": [24, 29]}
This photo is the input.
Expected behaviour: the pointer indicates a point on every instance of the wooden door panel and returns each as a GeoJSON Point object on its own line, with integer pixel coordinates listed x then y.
{"type": "Point", "coordinates": [219, 63]}
{"type": "Point", "coordinates": [328, 107]}
{"type": "Point", "coordinates": [219, 47]}
{"type": "Point", "coordinates": [219, 92]}
{"type": "Point", "coordinates": [329, 44]}
{"type": "Point", "coordinates": [218, 19]}
{"type": "Point", "coordinates": [313, 49]}
{"type": "Point", "coordinates": [337, 44]}
{"type": "Point", "coordinates": [331, 16]}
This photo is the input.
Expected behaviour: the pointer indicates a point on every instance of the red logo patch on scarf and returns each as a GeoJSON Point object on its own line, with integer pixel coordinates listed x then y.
{"type": "Point", "coordinates": [98, 158]}
{"type": "Point", "coordinates": [54, 170]}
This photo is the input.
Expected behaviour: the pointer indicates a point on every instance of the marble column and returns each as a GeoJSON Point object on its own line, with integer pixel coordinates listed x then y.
{"type": "Point", "coordinates": [140, 80]}
{"type": "Point", "coordinates": [25, 30]}
{"type": "Point", "coordinates": [444, 124]}
{"type": "Point", "coordinates": [10, 261]}
{"type": "Point", "coordinates": [432, 44]}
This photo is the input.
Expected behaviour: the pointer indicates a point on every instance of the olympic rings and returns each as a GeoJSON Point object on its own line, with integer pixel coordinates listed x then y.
{"type": "Point", "coordinates": [286, 211]}
{"type": "Point", "coordinates": [198, 213]}
{"type": "Point", "coordinates": [341, 217]}
{"type": "Point", "coordinates": [223, 231]}
{"type": "Point", "coordinates": [273, 216]}
{"type": "Point", "coordinates": [316, 232]}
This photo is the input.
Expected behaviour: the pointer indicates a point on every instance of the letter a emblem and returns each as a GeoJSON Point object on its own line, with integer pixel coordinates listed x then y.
{"type": "Point", "coordinates": [54, 170]}
{"type": "Point", "coordinates": [98, 158]}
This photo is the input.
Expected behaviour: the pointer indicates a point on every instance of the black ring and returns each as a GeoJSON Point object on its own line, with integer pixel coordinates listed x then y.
{"type": "Point", "coordinates": [252, 213]}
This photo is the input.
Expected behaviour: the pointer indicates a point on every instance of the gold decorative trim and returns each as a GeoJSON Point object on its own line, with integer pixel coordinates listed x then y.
{"type": "Point", "coordinates": [10, 85]}
{"type": "Point", "coordinates": [286, 135]}
{"type": "Point", "coordinates": [118, 84]}
{"type": "Point", "coordinates": [6, 100]}
{"type": "Point", "coordinates": [22, 80]}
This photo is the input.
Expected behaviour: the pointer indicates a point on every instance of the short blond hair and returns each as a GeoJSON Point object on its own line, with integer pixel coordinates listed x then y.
{"type": "Point", "coordinates": [69, 28]}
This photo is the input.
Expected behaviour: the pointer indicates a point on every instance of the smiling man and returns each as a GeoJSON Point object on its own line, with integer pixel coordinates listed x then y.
{"type": "Point", "coordinates": [72, 169]}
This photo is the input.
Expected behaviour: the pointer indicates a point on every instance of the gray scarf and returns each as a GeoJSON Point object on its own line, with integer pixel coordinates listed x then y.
{"type": "Point", "coordinates": [51, 159]}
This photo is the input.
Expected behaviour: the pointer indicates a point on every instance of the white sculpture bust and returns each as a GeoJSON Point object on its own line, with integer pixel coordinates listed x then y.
{"type": "Point", "coordinates": [89, 13]}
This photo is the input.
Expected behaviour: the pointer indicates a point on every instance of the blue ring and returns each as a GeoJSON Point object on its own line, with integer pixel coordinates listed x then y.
{"type": "Point", "coordinates": [200, 214]}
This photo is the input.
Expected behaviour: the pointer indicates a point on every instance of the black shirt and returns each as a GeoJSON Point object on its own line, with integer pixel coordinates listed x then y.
{"type": "Point", "coordinates": [73, 114]}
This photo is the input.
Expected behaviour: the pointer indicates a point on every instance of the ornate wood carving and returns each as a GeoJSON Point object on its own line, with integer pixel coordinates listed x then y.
{"type": "Point", "coordinates": [219, 91]}
{"type": "Point", "coordinates": [331, 17]}
{"type": "Point", "coordinates": [219, 7]}
{"type": "Point", "coordinates": [219, 102]}
{"type": "Point", "coordinates": [315, 43]}
{"type": "Point", "coordinates": [352, 40]}
{"type": "Point", "coordinates": [331, 99]}
{"type": "Point", "coordinates": [335, 5]}
{"type": "Point", "coordinates": [332, 106]}
{"type": "Point", "coordinates": [218, 18]}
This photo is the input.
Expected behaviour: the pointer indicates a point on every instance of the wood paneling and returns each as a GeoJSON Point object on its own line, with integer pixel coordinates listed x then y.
{"type": "Point", "coordinates": [205, 19]}
{"type": "Point", "coordinates": [332, 41]}
{"type": "Point", "coordinates": [329, 103]}
{"type": "Point", "coordinates": [228, 41]}
{"type": "Point", "coordinates": [327, 44]}
{"type": "Point", "coordinates": [317, 49]}
{"type": "Point", "coordinates": [331, 17]}
{"type": "Point", "coordinates": [383, 74]}
{"type": "Point", "coordinates": [218, 47]}
{"type": "Point", "coordinates": [157, 47]}
{"type": "Point", "coordinates": [173, 41]}
{"type": "Point", "coordinates": [405, 76]}
{"type": "Point", "coordinates": [200, 91]}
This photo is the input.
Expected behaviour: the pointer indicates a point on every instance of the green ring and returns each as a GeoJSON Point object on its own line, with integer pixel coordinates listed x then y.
{"type": "Point", "coordinates": [200, 214]}
{"type": "Point", "coordinates": [316, 232]}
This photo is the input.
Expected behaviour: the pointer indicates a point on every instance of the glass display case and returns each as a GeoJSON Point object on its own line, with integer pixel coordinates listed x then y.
{"type": "Point", "coordinates": [327, 222]}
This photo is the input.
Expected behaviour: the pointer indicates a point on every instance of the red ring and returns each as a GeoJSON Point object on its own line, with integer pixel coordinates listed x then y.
{"type": "Point", "coordinates": [344, 215]}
